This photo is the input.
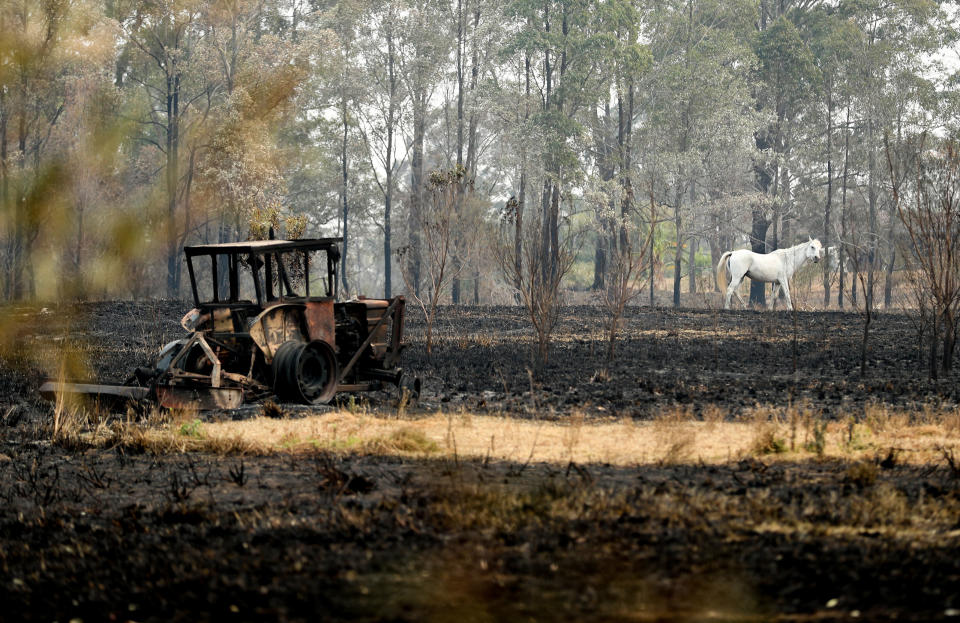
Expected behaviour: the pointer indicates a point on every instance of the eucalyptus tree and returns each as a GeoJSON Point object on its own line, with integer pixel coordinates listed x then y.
{"type": "Point", "coordinates": [612, 126]}
{"type": "Point", "coordinates": [160, 61]}
{"type": "Point", "coordinates": [382, 112]}
{"type": "Point", "coordinates": [476, 29]}
{"type": "Point", "coordinates": [54, 98]}
{"type": "Point", "coordinates": [567, 51]}
{"type": "Point", "coordinates": [894, 36]}
{"type": "Point", "coordinates": [519, 160]}
{"type": "Point", "coordinates": [31, 103]}
{"type": "Point", "coordinates": [343, 92]}
{"type": "Point", "coordinates": [833, 42]}
{"type": "Point", "coordinates": [784, 84]}
{"type": "Point", "coordinates": [422, 55]}
{"type": "Point", "coordinates": [256, 72]}
{"type": "Point", "coordinates": [700, 87]}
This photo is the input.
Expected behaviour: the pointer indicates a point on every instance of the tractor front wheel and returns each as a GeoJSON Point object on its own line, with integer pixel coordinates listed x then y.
{"type": "Point", "coordinates": [305, 372]}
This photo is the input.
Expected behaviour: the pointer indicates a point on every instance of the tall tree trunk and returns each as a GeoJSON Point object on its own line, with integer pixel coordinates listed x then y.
{"type": "Point", "coordinates": [545, 229]}
{"type": "Point", "coordinates": [606, 170]}
{"type": "Point", "coordinates": [892, 254]}
{"type": "Point", "coordinates": [518, 228]}
{"type": "Point", "coordinates": [416, 189]}
{"type": "Point", "coordinates": [888, 278]}
{"type": "Point", "coordinates": [949, 341]}
{"type": "Point", "coordinates": [18, 240]}
{"type": "Point", "coordinates": [829, 206]}
{"type": "Point", "coordinates": [5, 205]}
{"type": "Point", "coordinates": [715, 246]}
{"type": "Point", "coordinates": [555, 230]}
{"type": "Point", "coordinates": [387, 241]}
{"type": "Point", "coordinates": [344, 205]}
{"type": "Point", "coordinates": [600, 259]}
{"type": "Point", "coordinates": [842, 255]}
{"type": "Point", "coordinates": [678, 253]}
{"type": "Point", "coordinates": [522, 196]}
{"type": "Point", "coordinates": [172, 179]}
{"type": "Point", "coordinates": [626, 162]}
{"type": "Point", "coordinates": [758, 244]}
{"type": "Point", "coordinates": [653, 266]}
{"type": "Point", "coordinates": [934, 369]}
{"type": "Point", "coordinates": [692, 265]}
{"type": "Point", "coordinates": [473, 121]}
{"type": "Point", "coordinates": [388, 192]}
{"type": "Point", "coordinates": [473, 135]}
{"type": "Point", "coordinates": [461, 70]}
{"type": "Point", "coordinates": [872, 200]}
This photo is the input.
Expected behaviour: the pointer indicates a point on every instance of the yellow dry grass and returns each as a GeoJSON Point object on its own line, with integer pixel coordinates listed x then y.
{"type": "Point", "coordinates": [675, 437]}
{"type": "Point", "coordinates": [490, 437]}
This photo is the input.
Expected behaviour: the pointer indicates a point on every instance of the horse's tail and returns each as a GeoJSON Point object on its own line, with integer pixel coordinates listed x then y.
{"type": "Point", "coordinates": [723, 272]}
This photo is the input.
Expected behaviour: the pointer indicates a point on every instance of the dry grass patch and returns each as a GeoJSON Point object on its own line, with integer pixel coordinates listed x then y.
{"type": "Point", "coordinates": [676, 436]}
{"type": "Point", "coordinates": [484, 437]}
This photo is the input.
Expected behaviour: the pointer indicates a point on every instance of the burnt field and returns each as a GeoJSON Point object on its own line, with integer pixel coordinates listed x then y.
{"type": "Point", "coordinates": [724, 466]}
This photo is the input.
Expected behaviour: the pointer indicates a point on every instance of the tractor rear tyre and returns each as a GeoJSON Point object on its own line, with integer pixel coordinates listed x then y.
{"type": "Point", "coordinates": [305, 372]}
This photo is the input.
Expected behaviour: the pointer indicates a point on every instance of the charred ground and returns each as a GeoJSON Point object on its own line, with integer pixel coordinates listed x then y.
{"type": "Point", "coordinates": [128, 532]}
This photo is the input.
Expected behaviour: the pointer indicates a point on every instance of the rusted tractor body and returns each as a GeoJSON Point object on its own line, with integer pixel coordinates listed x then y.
{"type": "Point", "coordinates": [267, 322]}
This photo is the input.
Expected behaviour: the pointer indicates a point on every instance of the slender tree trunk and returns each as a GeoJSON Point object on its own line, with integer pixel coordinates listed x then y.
{"type": "Point", "coordinates": [715, 247]}
{"type": "Point", "coordinates": [678, 254]}
{"type": "Point", "coordinates": [172, 178]}
{"type": "Point", "coordinates": [600, 259]}
{"type": "Point", "coordinates": [842, 255]}
{"type": "Point", "coordinates": [934, 345]}
{"type": "Point", "coordinates": [604, 244]}
{"type": "Point", "coordinates": [344, 204]}
{"type": "Point", "coordinates": [868, 318]}
{"type": "Point", "coordinates": [416, 188]}
{"type": "Point", "coordinates": [853, 288]}
{"type": "Point", "coordinates": [626, 162]}
{"type": "Point", "coordinates": [522, 196]}
{"type": "Point", "coordinates": [518, 228]}
{"type": "Point", "coordinates": [872, 200]}
{"type": "Point", "coordinates": [949, 341]}
{"type": "Point", "coordinates": [692, 265]}
{"type": "Point", "coordinates": [888, 277]}
{"type": "Point", "coordinates": [758, 244]}
{"type": "Point", "coordinates": [555, 230]}
{"type": "Point", "coordinates": [388, 192]}
{"type": "Point", "coordinates": [652, 258]}
{"type": "Point", "coordinates": [387, 241]}
{"type": "Point", "coordinates": [472, 121]}
{"type": "Point", "coordinates": [891, 250]}
{"type": "Point", "coordinates": [18, 241]}
{"type": "Point", "coordinates": [829, 206]}
{"type": "Point", "coordinates": [461, 70]}
{"type": "Point", "coordinates": [5, 205]}
{"type": "Point", "coordinates": [545, 229]}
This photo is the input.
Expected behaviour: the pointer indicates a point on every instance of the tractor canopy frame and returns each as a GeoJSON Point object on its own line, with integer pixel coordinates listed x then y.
{"type": "Point", "coordinates": [267, 321]}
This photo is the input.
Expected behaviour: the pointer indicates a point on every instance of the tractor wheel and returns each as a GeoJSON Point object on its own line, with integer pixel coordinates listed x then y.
{"type": "Point", "coordinates": [305, 372]}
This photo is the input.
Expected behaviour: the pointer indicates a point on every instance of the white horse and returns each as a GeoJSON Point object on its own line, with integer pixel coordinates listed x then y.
{"type": "Point", "coordinates": [777, 267]}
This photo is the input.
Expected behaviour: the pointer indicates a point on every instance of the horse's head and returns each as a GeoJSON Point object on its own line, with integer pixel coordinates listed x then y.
{"type": "Point", "coordinates": [814, 250]}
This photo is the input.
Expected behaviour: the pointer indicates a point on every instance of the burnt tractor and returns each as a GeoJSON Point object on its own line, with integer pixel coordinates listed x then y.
{"type": "Point", "coordinates": [267, 322]}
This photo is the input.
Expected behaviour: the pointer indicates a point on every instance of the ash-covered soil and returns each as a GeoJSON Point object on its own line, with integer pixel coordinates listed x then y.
{"type": "Point", "coordinates": [665, 358]}
{"type": "Point", "coordinates": [482, 358]}
{"type": "Point", "coordinates": [122, 534]}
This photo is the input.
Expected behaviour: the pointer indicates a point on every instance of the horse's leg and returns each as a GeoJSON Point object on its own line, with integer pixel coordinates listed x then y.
{"type": "Point", "coordinates": [740, 298]}
{"type": "Point", "coordinates": [786, 294]}
{"type": "Point", "coordinates": [773, 299]}
{"type": "Point", "coordinates": [732, 289]}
